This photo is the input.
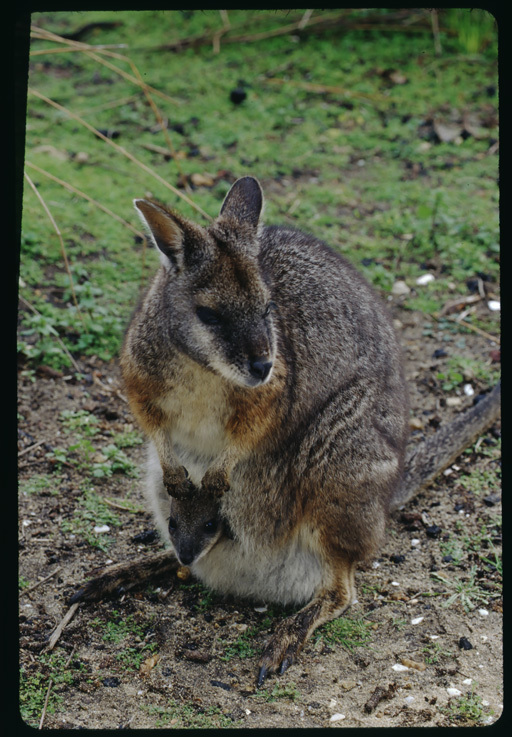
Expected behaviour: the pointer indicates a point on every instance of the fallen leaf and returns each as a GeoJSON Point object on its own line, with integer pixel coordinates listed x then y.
{"type": "Point", "coordinates": [148, 665]}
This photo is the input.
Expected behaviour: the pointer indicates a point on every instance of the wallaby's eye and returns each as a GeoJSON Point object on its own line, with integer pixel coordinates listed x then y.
{"type": "Point", "coordinates": [210, 526]}
{"type": "Point", "coordinates": [173, 525]}
{"type": "Point", "coordinates": [208, 316]}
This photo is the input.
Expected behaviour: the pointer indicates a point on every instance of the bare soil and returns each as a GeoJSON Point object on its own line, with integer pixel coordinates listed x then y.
{"type": "Point", "coordinates": [200, 676]}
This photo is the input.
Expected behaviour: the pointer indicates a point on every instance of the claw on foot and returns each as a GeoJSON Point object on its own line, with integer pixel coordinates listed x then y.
{"type": "Point", "coordinates": [262, 674]}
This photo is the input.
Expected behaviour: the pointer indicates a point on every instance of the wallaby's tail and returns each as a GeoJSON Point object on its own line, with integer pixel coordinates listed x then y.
{"type": "Point", "coordinates": [429, 458]}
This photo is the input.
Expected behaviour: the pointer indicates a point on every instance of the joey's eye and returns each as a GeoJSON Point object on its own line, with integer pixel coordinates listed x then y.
{"type": "Point", "coordinates": [270, 308]}
{"type": "Point", "coordinates": [210, 526]}
{"type": "Point", "coordinates": [208, 316]}
{"type": "Point", "coordinates": [173, 525]}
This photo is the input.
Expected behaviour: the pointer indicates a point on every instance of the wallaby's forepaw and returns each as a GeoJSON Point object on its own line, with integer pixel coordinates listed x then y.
{"type": "Point", "coordinates": [177, 483]}
{"type": "Point", "coordinates": [283, 648]}
{"type": "Point", "coordinates": [215, 483]}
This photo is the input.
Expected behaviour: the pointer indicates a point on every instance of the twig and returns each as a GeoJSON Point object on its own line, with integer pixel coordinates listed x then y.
{"type": "Point", "coordinates": [41, 722]}
{"type": "Point", "coordinates": [40, 583]}
{"type": "Point", "coordinates": [467, 325]}
{"type": "Point", "coordinates": [435, 31]}
{"type": "Point", "coordinates": [60, 628]}
{"type": "Point", "coordinates": [50, 684]}
{"type": "Point", "coordinates": [30, 447]}
{"type": "Point", "coordinates": [460, 301]}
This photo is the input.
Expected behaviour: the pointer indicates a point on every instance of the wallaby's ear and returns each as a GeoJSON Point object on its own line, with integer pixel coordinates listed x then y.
{"type": "Point", "coordinates": [244, 201]}
{"type": "Point", "coordinates": [165, 232]}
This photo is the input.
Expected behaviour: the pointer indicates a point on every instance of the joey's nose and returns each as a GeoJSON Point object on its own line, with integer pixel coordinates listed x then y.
{"type": "Point", "coordinates": [260, 368]}
{"type": "Point", "coordinates": [186, 557]}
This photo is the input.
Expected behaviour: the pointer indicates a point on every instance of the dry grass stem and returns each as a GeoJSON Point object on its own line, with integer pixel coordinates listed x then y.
{"type": "Point", "coordinates": [323, 88]}
{"type": "Point", "coordinates": [120, 149]}
{"type": "Point", "coordinates": [61, 241]}
{"type": "Point", "coordinates": [40, 583]}
{"type": "Point", "coordinates": [85, 196]}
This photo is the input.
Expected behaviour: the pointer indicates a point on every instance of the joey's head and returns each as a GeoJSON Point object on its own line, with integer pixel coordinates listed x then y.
{"type": "Point", "coordinates": [215, 297]}
{"type": "Point", "coordinates": [195, 525]}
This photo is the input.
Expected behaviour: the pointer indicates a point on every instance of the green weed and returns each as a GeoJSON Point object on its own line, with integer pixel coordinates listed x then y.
{"type": "Point", "coordinates": [288, 691]}
{"type": "Point", "coordinates": [187, 716]}
{"type": "Point", "coordinates": [92, 512]}
{"type": "Point", "coordinates": [466, 590]}
{"type": "Point", "coordinates": [349, 633]}
{"type": "Point", "coordinates": [467, 709]}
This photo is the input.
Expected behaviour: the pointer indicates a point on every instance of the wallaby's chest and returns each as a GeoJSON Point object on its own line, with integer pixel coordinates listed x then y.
{"type": "Point", "coordinates": [198, 411]}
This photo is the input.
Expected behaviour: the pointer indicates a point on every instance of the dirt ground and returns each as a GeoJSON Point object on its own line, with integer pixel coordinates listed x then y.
{"type": "Point", "coordinates": [195, 673]}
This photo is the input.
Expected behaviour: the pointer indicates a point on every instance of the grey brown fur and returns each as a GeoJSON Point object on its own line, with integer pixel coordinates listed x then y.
{"type": "Point", "coordinates": [268, 378]}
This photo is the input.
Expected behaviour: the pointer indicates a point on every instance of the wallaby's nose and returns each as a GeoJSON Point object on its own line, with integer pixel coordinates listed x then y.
{"type": "Point", "coordinates": [260, 368]}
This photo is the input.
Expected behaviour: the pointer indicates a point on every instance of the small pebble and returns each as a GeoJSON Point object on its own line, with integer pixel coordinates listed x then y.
{"type": "Point", "coordinates": [417, 620]}
{"type": "Point", "coordinates": [415, 542]}
{"type": "Point", "coordinates": [483, 612]}
{"type": "Point", "coordinates": [101, 528]}
{"type": "Point", "coordinates": [465, 644]}
{"type": "Point", "coordinates": [399, 667]}
{"type": "Point", "coordinates": [453, 401]}
{"type": "Point", "coordinates": [494, 305]}
{"type": "Point", "coordinates": [467, 681]}
{"type": "Point", "coordinates": [399, 289]}
{"type": "Point", "coordinates": [337, 717]}
{"type": "Point", "coordinates": [425, 279]}
{"type": "Point", "coordinates": [453, 692]}
{"type": "Point", "coordinates": [332, 703]}
{"type": "Point", "coordinates": [395, 583]}
{"type": "Point", "coordinates": [409, 699]}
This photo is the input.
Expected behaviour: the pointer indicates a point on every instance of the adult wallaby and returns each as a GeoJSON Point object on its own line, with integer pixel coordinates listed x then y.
{"type": "Point", "coordinates": [268, 378]}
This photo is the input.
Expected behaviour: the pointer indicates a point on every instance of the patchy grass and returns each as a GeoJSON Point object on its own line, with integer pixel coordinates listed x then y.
{"type": "Point", "coordinates": [344, 136]}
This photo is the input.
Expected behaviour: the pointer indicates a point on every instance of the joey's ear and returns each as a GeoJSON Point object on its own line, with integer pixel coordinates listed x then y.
{"type": "Point", "coordinates": [166, 233]}
{"type": "Point", "coordinates": [244, 201]}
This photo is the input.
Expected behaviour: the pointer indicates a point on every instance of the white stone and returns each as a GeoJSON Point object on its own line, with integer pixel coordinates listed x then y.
{"type": "Point", "coordinates": [425, 279]}
{"type": "Point", "coordinates": [453, 692]}
{"type": "Point", "coordinates": [494, 305]}
{"type": "Point", "coordinates": [337, 717]}
{"type": "Point", "coordinates": [99, 529]}
{"type": "Point", "coordinates": [399, 667]}
{"type": "Point", "coordinates": [415, 542]}
{"type": "Point", "coordinates": [400, 288]}
{"type": "Point", "coordinates": [417, 620]}
{"type": "Point", "coordinates": [483, 612]}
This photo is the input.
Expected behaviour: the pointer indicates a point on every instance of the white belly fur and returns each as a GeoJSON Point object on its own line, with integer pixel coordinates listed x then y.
{"type": "Point", "coordinates": [289, 574]}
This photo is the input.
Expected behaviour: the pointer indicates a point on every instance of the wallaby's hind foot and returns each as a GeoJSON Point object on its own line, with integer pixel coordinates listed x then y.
{"type": "Point", "coordinates": [292, 633]}
{"type": "Point", "coordinates": [124, 576]}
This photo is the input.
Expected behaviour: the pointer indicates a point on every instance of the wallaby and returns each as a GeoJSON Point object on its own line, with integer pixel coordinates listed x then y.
{"type": "Point", "coordinates": [268, 377]}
